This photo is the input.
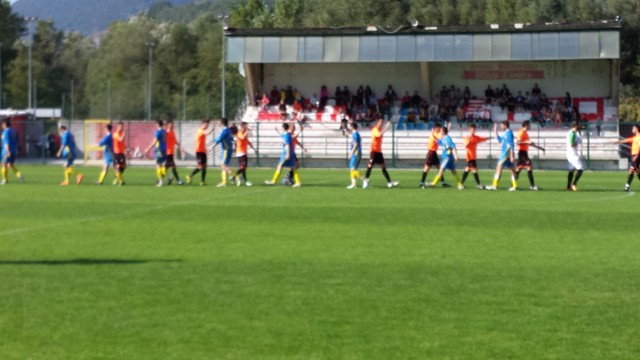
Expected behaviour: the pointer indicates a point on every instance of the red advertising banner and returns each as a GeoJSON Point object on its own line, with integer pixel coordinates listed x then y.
{"type": "Point", "coordinates": [504, 74]}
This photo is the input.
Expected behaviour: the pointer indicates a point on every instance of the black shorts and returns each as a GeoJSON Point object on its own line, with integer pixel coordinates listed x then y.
{"type": "Point", "coordinates": [376, 158]}
{"type": "Point", "coordinates": [244, 161]}
{"type": "Point", "coordinates": [201, 158]}
{"type": "Point", "coordinates": [171, 162]}
{"type": "Point", "coordinates": [432, 159]}
{"type": "Point", "coordinates": [121, 161]}
{"type": "Point", "coordinates": [523, 160]}
{"type": "Point", "coordinates": [471, 164]}
{"type": "Point", "coordinates": [635, 163]}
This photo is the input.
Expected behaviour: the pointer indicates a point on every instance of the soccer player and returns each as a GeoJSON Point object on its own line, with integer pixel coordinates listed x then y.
{"type": "Point", "coordinates": [449, 158]}
{"type": "Point", "coordinates": [376, 157]}
{"type": "Point", "coordinates": [471, 142]}
{"type": "Point", "coordinates": [524, 162]}
{"type": "Point", "coordinates": [68, 151]}
{"type": "Point", "coordinates": [574, 140]}
{"type": "Point", "coordinates": [242, 143]}
{"type": "Point", "coordinates": [432, 159]}
{"type": "Point", "coordinates": [287, 158]}
{"type": "Point", "coordinates": [9, 152]}
{"type": "Point", "coordinates": [172, 142]}
{"type": "Point", "coordinates": [159, 143]}
{"type": "Point", "coordinates": [355, 155]}
{"type": "Point", "coordinates": [109, 157]}
{"type": "Point", "coordinates": [119, 149]}
{"type": "Point", "coordinates": [507, 157]}
{"type": "Point", "coordinates": [634, 167]}
{"type": "Point", "coordinates": [225, 140]}
{"type": "Point", "coordinates": [201, 153]}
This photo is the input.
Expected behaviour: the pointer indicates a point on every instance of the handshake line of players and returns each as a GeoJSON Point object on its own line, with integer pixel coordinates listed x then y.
{"type": "Point", "coordinates": [164, 143]}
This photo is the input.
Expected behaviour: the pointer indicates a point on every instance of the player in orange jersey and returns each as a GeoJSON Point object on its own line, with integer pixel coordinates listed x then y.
{"type": "Point", "coordinates": [524, 162]}
{"type": "Point", "coordinates": [242, 143]}
{"type": "Point", "coordinates": [172, 142]}
{"type": "Point", "coordinates": [375, 156]}
{"type": "Point", "coordinates": [634, 164]}
{"type": "Point", "coordinates": [201, 152]}
{"type": "Point", "coordinates": [432, 160]}
{"type": "Point", "coordinates": [119, 150]}
{"type": "Point", "coordinates": [471, 142]}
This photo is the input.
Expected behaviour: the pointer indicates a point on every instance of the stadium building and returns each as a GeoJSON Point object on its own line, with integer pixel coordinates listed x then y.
{"type": "Point", "coordinates": [581, 59]}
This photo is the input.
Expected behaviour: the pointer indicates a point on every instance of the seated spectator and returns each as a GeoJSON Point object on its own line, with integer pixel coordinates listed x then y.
{"type": "Point", "coordinates": [390, 95]}
{"type": "Point", "coordinates": [423, 115]}
{"type": "Point", "coordinates": [406, 101]}
{"type": "Point", "coordinates": [359, 98]}
{"type": "Point", "coordinates": [411, 117]}
{"type": "Point", "coordinates": [526, 101]}
{"type": "Point", "coordinates": [373, 101]}
{"type": "Point", "coordinates": [461, 115]}
{"type": "Point", "coordinates": [416, 99]}
{"type": "Point", "coordinates": [265, 102]}
{"type": "Point", "coordinates": [536, 90]}
{"type": "Point", "coordinates": [257, 98]}
{"type": "Point", "coordinates": [505, 90]}
{"type": "Point", "coordinates": [297, 108]}
{"type": "Point", "coordinates": [289, 98]}
{"type": "Point", "coordinates": [488, 95]}
{"type": "Point", "coordinates": [520, 102]}
{"type": "Point", "coordinates": [338, 96]}
{"type": "Point", "coordinates": [503, 102]}
{"type": "Point", "coordinates": [466, 96]}
{"type": "Point", "coordinates": [368, 92]}
{"type": "Point", "coordinates": [487, 117]}
{"type": "Point", "coordinates": [314, 102]}
{"type": "Point", "coordinates": [535, 102]}
{"type": "Point", "coordinates": [497, 94]}
{"type": "Point", "coordinates": [557, 117]}
{"type": "Point", "coordinates": [275, 96]}
{"type": "Point", "coordinates": [544, 101]}
{"type": "Point", "coordinates": [346, 97]}
{"type": "Point", "coordinates": [297, 96]}
{"type": "Point", "coordinates": [548, 115]}
{"type": "Point", "coordinates": [511, 103]}
{"type": "Point", "coordinates": [283, 110]}
{"type": "Point", "coordinates": [385, 109]}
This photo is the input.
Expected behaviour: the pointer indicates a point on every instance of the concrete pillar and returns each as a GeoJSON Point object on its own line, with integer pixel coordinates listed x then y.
{"type": "Point", "coordinates": [425, 78]}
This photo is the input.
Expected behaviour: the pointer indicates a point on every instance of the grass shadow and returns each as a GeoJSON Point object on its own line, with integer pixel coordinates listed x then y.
{"type": "Point", "coordinates": [85, 262]}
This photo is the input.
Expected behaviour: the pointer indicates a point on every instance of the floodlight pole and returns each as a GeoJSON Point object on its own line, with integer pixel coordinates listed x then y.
{"type": "Point", "coordinates": [29, 20]}
{"type": "Point", "coordinates": [151, 45]}
{"type": "Point", "coordinates": [224, 19]}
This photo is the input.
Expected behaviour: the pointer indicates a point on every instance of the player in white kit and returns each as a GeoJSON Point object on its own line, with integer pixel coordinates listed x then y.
{"type": "Point", "coordinates": [574, 140]}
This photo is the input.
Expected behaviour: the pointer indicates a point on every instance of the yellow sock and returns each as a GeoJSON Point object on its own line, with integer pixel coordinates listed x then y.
{"type": "Point", "coordinates": [67, 173]}
{"type": "Point", "coordinates": [436, 180]}
{"type": "Point", "coordinates": [17, 172]}
{"type": "Point", "coordinates": [296, 177]}
{"type": "Point", "coordinates": [495, 181]}
{"type": "Point", "coordinates": [4, 173]}
{"type": "Point", "coordinates": [164, 171]}
{"type": "Point", "coordinates": [159, 173]}
{"type": "Point", "coordinates": [514, 182]}
{"type": "Point", "coordinates": [276, 176]}
{"type": "Point", "coordinates": [101, 177]}
{"type": "Point", "coordinates": [357, 173]}
{"type": "Point", "coordinates": [224, 177]}
{"type": "Point", "coordinates": [119, 177]}
{"type": "Point", "coordinates": [457, 179]}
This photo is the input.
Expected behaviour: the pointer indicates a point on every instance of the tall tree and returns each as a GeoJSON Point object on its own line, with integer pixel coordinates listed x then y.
{"type": "Point", "coordinates": [289, 13]}
{"type": "Point", "coordinates": [11, 27]}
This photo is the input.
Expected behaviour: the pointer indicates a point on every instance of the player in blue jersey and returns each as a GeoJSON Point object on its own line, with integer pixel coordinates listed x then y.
{"type": "Point", "coordinates": [9, 152]}
{"type": "Point", "coordinates": [67, 151]}
{"type": "Point", "coordinates": [355, 155]}
{"type": "Point", "coordinates": [287, 158]}
{"type": "Point", "coordinates": [507, 156]}
{"type": "Point", "coordinates": [159, 144]}
{"type": "Point", "coordinates": [225, 140]}
{"type": "Point", "coordinates": [448, 159]}
{"type": "Point", "coordinates": [109, 155]}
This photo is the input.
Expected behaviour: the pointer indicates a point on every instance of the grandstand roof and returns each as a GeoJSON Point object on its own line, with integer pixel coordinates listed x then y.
{"type": "Point", "coordinates": [513, 42]}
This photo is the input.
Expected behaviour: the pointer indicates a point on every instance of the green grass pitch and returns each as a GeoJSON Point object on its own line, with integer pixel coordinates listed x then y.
{"type": "Point", "coordinates": [321, 272]}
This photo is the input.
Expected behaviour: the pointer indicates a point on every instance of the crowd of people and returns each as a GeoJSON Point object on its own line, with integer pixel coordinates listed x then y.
{"type": "Point", "coordinates": [364, 105]}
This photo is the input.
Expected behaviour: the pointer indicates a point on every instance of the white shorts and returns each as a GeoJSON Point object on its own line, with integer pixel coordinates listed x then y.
{"type": "Point", "coordinates": [574, 162]}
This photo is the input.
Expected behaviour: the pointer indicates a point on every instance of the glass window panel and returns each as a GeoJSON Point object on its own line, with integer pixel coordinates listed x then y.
{"type": "Point", "coordinates": [609, 45]}
{"type": "Point", "coordinates": [444, 47]}
{"type": "Point", "coordinates": [425, 48]}
{"type": "Point", "coordinates": [535, 46]}
{"type": "Point", "coordinates": [521, 46]}
{"type": "Point", "coordinates": [314, 48]}
{"type": "Point", "coordinates": [568, 45]}
{"type": "Point", "coordinates": [350, 51]}
{"type": "Point", "coordinates": [463, 47]}
{"type": "Point", "coordinates": [387, 48]}
{"type": "Point", "coordinates": [481, 47]}
{"type": "Point", "coordinates": [548, 45]}
{"type": "Point", "coordinates": [301, 47]}
{"type": "Point", "coordinates": [253, 50]}
{"type": "Point", "coordinates": [270, 50]}
{"type": "Point", "coordinates": [288, 49]}
{"type": "Point", "coordinates": [332, 49]}
{"type": "Point", "coordinates": [501, 47]}
{"type": "Point", "coordinates": [589, 45]}
{"type": "Point", "coordinates": [368, 48]}
{"type": "Point", "coordinates": [406, 48]}
{"type": "Point", "coordinates": [235, 50]}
